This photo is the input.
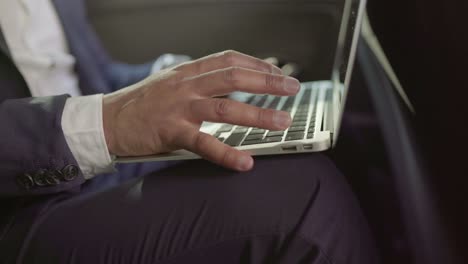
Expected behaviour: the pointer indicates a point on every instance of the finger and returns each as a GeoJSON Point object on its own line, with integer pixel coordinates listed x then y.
{"type": "Point", "coordinates": [227, 59]}
{"type": "Point", "coordinates": [217, 152]}
{"type": "Point", "coordinates": [233, 112]}
{"type": "Point", "coordinates": [225, 81]}
{"type": "Point", "coordinates": [290, 69]}
{"type": "Point", "coordinates": [272, 60]}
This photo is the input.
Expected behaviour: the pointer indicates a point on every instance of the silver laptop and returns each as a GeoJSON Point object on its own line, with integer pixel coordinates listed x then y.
{"type": "Point", "coordinates": [316, 110]}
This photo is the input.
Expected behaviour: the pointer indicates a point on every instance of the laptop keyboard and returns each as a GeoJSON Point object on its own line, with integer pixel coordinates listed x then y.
{"type": "Point", "coordinates": [302, 127]}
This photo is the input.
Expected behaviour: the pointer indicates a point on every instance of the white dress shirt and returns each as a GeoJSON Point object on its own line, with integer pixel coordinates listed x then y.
{"type": "Point", "coordinates": [39, 49]}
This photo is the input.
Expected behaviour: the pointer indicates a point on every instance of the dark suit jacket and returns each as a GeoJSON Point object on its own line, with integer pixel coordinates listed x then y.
{"type": "Point", "coordinates": [34, 156]}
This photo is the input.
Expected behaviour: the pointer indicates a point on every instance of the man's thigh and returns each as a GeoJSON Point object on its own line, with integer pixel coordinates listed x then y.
{"type": "Point", "coordinates": [290, 208]}
{"type": "Point", "coordinates": [123, 173]}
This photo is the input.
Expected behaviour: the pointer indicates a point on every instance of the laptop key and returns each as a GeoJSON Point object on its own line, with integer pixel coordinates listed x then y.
{"type": "Point", "coordinates": [275, 103]}
{"type": "Point", "coordinates": [298, 123]}
{"type": "Point", "coordinates": [311, 128]}
{"type": "Point", "coordinates": [240, 130]}
{"type": "Point", "coordinates": [262, 101]}
{"type": "Point", "coordinates": [225, 128]}
{"type": "Point", "coordinates": [300, 115]}
{"type": "Point", "coordinates": [234, 140]}
{"type": "Point", "coordinates": [288, 104]}
{"type": "Point", "coordinates": [257, 131]}
{"type": "Point", "coordinates": [221, 139]}
{"type": "Point", "coordinates": [294, 136]}
{"type": "Point", "coordinates": [272, 139]}
{"type": "Point", "coordinates": [296, 129]}
{"type": "Point", "coordinates": [275, 133]}
{"type": "Point", "coordinates": [254, 137]}
{"type": "Point", "coordinates": [300, 119]}
{"type": "Point", "coordinates": [252, 142]}
{"type": "Point", "coordinates": [310, 135]}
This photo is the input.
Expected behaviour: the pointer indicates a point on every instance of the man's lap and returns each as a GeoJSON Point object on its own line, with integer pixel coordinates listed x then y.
{"type": "Point", "coordinates": [288, 208]}
{"type": "Point", "coordinates": [124, 172]}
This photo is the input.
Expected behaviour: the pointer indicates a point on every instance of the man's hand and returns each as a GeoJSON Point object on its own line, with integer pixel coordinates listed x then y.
{"type": "Point", "coordinates": [164, 112]}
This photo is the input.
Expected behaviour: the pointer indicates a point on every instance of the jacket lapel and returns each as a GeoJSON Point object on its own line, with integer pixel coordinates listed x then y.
{"type": "Point", "coordinates": [73, 17]}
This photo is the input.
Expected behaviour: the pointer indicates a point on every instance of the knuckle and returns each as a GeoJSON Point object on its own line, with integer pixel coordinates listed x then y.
{"type": "Point", "coordinates": [192, 107]}
{"type": "Point", "coordinates": [263, 66]}
{"type": "Point", "coordinates": [198, 67]}
{"type": "Point", "coordinates": [226, 157]}
{"type": "Point", "coordinates": [271, 69]}
{"type": "Point", "coordinates": [273, 81]}
{"type": "Point", "coordinates": [222, 107]}
{"type": "Point", "coordinates": [230, 51]}
{"type": "Point", "coordinates": [190, 67]}
{"type": "Point", "coordinates": [181, 87]}
{"type": "Point", "coordinates": [230, 57]}
{"type": "Point", "coordinates": [183, 66]}
{"type": "Point", "coordinates": [231, 75]}
{"type": "Point", "coordinates": [261, 115]}
{"type": "Point", "coordinates": [177, 79]}
{"type": "Point", "coordinates": [200, 141]}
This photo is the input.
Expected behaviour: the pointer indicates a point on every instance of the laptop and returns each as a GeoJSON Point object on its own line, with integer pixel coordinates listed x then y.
{"type": "Point", "coordinates": [316, 110]}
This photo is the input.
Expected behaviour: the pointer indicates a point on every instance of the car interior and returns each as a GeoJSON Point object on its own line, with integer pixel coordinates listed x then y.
{"type": "Point", "coordinates": [379, 150]}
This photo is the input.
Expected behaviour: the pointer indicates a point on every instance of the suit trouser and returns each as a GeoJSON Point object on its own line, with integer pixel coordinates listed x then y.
{"type": "Point", "coordinates": [288, 209]}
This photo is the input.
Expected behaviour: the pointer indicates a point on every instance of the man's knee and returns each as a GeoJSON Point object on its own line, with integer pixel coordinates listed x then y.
{"type": "Point", "coordinates": [334, 220]}
{"type": "Point", "coordinates": [306, 198]}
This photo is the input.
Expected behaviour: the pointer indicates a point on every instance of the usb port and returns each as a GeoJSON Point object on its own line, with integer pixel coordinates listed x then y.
{"type": "Point", "coordinates": [292, 148]}
{"type": "Point", "coordinates": [308, 147]}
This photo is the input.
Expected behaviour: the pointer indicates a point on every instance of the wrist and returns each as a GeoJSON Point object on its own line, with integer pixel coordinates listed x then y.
{"type": "Point", "coordinates": [108, 117]}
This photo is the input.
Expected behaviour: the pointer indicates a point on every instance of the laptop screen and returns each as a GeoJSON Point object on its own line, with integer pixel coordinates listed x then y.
{"type": "Point", "coordinates": [350, 28]}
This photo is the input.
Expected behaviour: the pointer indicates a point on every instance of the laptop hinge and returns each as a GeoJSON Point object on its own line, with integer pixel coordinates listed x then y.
{"type": "Point", "coordinates": [328, 115]}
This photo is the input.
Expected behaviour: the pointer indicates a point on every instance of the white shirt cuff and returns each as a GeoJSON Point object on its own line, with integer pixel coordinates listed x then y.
{"type": "Point", "coordinates": [82, 126]}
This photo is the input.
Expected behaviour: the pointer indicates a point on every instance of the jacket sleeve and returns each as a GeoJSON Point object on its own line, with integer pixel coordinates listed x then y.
{"type": "Point", "coordinates": [34, 156]}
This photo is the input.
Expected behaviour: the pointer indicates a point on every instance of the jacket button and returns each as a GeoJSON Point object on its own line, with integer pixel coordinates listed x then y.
{"type": "Point", "coordinates": [40, 177]}
{"type": "Point", "coordinates": [70, 172]}
{"type": "Point", "coordinates": [25, 181]}
{"type": "Point", "coordinates": [52, 177]}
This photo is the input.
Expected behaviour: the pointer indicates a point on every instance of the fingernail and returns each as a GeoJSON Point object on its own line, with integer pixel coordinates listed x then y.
{"type": "Point", "coordinates": [244, 163]}
{"type": "Point", "coordinates": [282, 120]}
{"type": "Point", "coordinates": [291, 85]}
